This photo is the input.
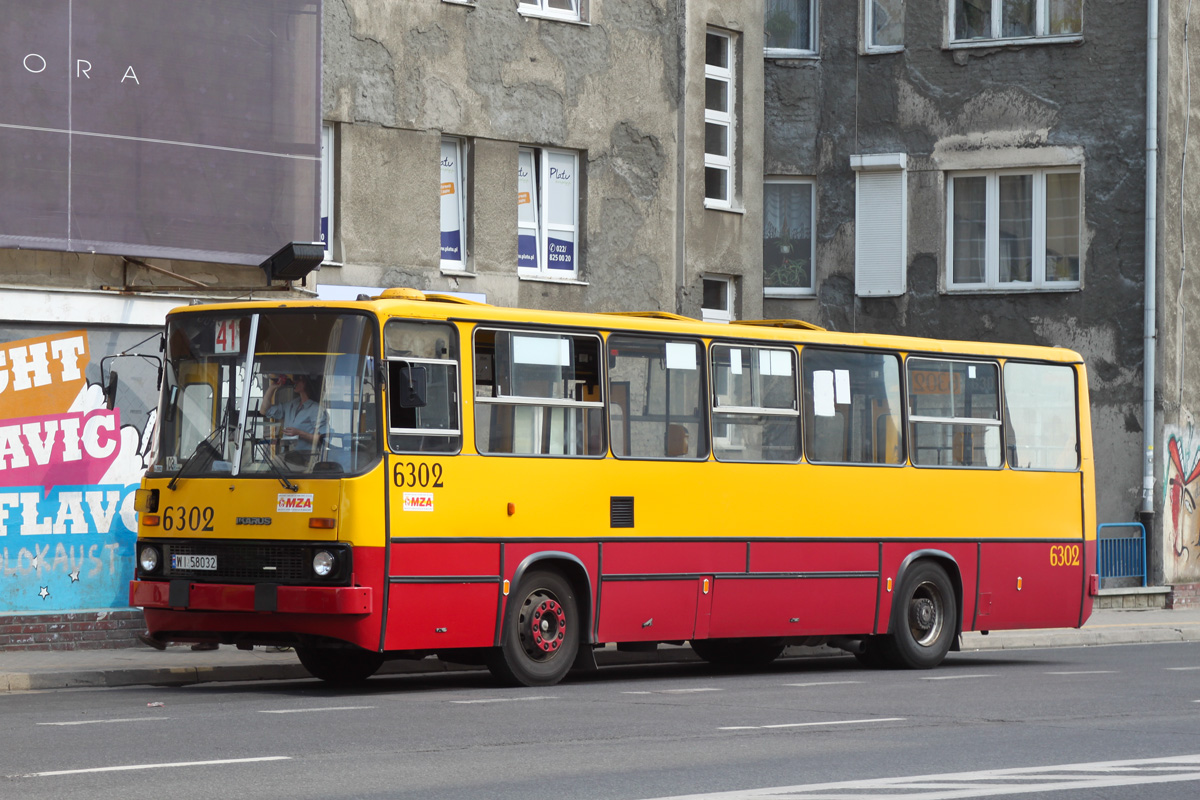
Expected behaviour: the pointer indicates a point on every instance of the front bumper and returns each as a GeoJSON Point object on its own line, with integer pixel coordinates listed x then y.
{"type": "Point", "coordinates": [187, 595]}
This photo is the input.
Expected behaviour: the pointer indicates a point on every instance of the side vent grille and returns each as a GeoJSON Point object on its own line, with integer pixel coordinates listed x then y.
{"type": "Point", "coordinates": [621, 512]}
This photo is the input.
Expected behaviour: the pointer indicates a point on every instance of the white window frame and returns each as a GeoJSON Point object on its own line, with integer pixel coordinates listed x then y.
{"type": "Point", "coordinates": [542, 8]}
{"type": "Point", "coordinates": [459, 192]}
{"type": "Point", "coordinates": [328, 207]}
{"type": "Point", "coordinates": [723, 315]}
{"type": "Point", "coordinates": [1041, 26]}
{"type": "Point", "coordinates": [991, 282]}
{"type": "Point", "coordinates": [795, 291]}
{"type": "Point", "coordinates": [726, 119]}
{"type": "Point", "coordinates": [542, 227]}
{"type": "Point", "coordinates": [791, 52]}
{"type": "Point", "coordinates": [869, 45]}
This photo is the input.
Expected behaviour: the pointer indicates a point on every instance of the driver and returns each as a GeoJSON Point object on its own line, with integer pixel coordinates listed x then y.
{"type": "Point", "coordinates": [303, 423]}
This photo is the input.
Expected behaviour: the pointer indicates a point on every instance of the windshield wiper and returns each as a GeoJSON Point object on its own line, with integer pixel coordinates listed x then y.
{"type": "Point", "coordinates": [273, 461]}
{"type": "Point", "coordinates": [208, 454]}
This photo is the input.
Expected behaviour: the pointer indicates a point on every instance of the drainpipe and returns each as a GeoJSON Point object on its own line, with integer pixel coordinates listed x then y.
{"type": "Point", "coordinates": [1150, 322]}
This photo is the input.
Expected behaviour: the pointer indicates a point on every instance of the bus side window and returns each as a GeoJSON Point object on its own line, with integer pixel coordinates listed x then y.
{"type": "Point", "coordinates": [658, 403]}
{"type": "Point", "coordinates": [954, 412]}
{"type": "Point", "coordinates": [756, 416]}
{"type": "Point", "coordinates": [538, 394]}
{"type": "Point", "coordinates": [1041, 426]}
{"type": "Point", "coordinates": [422, 375]}
{"type": "Point", "coordinates": [851, 407]}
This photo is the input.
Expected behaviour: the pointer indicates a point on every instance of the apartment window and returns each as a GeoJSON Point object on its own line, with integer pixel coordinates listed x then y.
{"type": "Point", "coordinates": [717, 303]}
{"type": "Point", "coordinates": [454, 205]}
{"type": "Point", "coordinates": [883, 25]}
{"type": "Point", "coordinates": [788, 249]}
{"type": "Point", "coordinates": [327, 206]}
{"type": "Point", "coordinates": [1014, 230]}
{"type": "Point", "coordinates": [719, 120]}
{"type": "Point", "coordinates": [547, 213]}
{"type": "Point", "coordinates": [1015, 19]}
{"type": "Point", "coordinates": [789, 27]}
{"type": "Point", "coordinates": [554, 9]}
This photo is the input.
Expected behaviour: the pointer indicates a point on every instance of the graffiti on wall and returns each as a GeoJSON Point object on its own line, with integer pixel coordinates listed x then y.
{"type": "Point", "coordinates": [1181, 488]}
{"type": "Point", "coordinates": [68, 471]}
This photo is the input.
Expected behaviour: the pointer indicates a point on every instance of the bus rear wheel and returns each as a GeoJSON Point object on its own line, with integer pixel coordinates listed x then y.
{"type": "Point", "coordinates": [924, 618]}
{"type": "Point", "coordinates": [541, 636]}
{"type": "Point", "coordinates": [737, 653]}
{"type": "Point", "coordinates": [341, 666]}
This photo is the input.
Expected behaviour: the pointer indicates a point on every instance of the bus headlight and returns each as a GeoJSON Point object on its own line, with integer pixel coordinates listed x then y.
{"type": "Point", "coordinates": [148, 559]}
{"type": "Point", "coordinates": [324, 563]}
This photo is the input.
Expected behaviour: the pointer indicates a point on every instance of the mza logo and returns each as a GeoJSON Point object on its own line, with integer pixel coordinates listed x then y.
{"type": "Point", "coordinates": [302, 503]}
{"type": "Point", "coordinates": [418, 501]}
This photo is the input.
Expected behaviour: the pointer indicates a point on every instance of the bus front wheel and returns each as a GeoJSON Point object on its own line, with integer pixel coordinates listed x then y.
{"type": "Point", "coordinates": [338, 665]}
{"type": "Point", "coordinates": [923, 618]}
{"type": "Point", "coordinates": [541, 632]}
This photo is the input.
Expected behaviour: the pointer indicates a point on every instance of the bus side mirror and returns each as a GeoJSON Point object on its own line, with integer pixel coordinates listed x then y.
{"type": "Point", "coordinates": [409, 384]}
{"type": "Point", "coordinates": [110, 391]}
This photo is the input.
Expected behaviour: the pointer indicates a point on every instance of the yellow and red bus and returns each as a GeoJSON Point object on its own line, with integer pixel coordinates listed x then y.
{"type": "Point", "coordinates": [517, 488]}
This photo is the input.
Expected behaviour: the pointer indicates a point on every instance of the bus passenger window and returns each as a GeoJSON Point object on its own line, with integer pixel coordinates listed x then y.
{"type": "Point", "coordinates": [657, 398]}
{"type": "Point", "coordinates": [954, 411]}
{"type": "Point", "coordinates": [756, 416]}
{"type": "Point", "coordinates": [1041, 427]}
{"type": "Point", "coordinates": [851, 407]}
{"type": "Point", "coordinates": [423, 408]}
{"type": "Point", "coordinates": [538, 394]}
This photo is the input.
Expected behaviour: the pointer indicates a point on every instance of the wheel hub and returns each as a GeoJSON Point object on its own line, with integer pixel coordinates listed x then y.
{"type": "Point", "coordinates": [547, 626]}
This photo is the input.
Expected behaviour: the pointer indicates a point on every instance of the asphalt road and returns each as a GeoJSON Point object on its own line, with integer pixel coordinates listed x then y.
{"type": "Point", "coordinates": [1053, 720]}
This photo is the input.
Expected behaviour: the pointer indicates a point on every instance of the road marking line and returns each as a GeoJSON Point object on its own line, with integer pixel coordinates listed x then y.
{"type": "Point", "coordinates": [1025, 781]}
{"type": "Point", "coordinates": [955, 677]}
{"type": "Point", "coordinates": [1180, 669]}
{"type": "Point", "coordinates": [1086, 672]}
{"type": "Point", "coordinates": [505, 700]}
{"type": "Point", "coordinates": [309, 710]}
{"type": "Point", "coordinates": [823, 683]}
{"type": "Point", "coordinates": [105, 721]}
{"type": "Point", "coordinates": [170, 765]}
{"type": "Point", "coordinates": [809, 724]}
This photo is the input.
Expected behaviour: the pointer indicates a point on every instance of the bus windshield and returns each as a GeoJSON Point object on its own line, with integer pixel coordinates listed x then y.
{"type": "Point", "coordinates": [269, 394]}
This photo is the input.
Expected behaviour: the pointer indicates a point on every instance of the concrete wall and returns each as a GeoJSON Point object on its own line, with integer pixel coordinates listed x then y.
{"type": "Point", "coordinates": [1178, 294]}
{"type": "Point", "coordinates": [986, 108]}
{"type": "Point", "coordinates": [625, 90]}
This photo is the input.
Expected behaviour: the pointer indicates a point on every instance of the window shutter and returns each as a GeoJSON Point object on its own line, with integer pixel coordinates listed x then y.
{"type": "Point", "coordinates": [881, 221]}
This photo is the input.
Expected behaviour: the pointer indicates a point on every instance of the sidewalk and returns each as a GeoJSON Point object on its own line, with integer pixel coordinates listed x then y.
{"type": "Point", "coordinates": [25, 670]}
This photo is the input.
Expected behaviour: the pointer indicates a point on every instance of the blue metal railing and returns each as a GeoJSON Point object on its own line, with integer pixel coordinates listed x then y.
{"type": "Point", "coordinates": [1121, 556]}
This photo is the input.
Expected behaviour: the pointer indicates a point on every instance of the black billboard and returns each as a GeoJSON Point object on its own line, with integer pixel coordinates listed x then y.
{"type": "Point", "coordinates": [160, 128]}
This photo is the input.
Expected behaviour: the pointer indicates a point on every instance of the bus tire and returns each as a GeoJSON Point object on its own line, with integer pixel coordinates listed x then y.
{"type": "Point", "coordinates": [737, 653]}
{"type": "Point", "coordinates": [340, 666]}
{"type": "Point", "coordinates": [924, 617]}
{"type": "Point", "coordinates": [540, 638]}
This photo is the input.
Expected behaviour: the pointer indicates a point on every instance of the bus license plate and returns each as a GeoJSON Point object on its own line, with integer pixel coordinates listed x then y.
{"type": "Point", "coordinates": [193, 562]}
